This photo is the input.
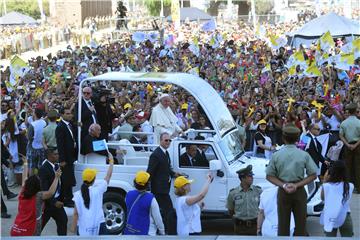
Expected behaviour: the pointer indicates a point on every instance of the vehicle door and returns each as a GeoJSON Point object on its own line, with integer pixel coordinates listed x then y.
{"type": "Point", "coordinates": [201, 154]}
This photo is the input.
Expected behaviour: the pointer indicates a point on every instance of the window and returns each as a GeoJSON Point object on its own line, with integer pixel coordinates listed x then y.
{"type": "Point", "coordinates": [192, 155]}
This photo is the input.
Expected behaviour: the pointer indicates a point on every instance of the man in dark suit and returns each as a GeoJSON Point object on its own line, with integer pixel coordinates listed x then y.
{"type": "Point", "coordinates": [137, 139]}
{"type": "Point", "coordinates": [187, 159]}
{"type": "Point", "coordinates": [66, 144]}
{"type": "Point", "coordinates": [88, 112]}
{"type": "Point", "coordinates": [200, 157]}
{"type": "Point", "coordinates": [161, 172]}
{"type": "Point", "coordinates": [315, 147]}
{"type": "Point", "coordinates": [54, 207]}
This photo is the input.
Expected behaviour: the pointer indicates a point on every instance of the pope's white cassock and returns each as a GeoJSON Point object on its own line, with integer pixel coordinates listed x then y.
{"type": "Point", "coordinates": [163, 120]}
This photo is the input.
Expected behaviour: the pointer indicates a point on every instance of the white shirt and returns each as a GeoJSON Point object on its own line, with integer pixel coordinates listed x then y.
{"type": "Point", "coordinates": [268, 203]}
{"type": "Point", "coordinates": [156, 222]}
{"type": "Point", "coordinates": [91, 105]}
{"type": "Point", "coordinates": [333, 122]}
{"type": "Point", "coordinates": [334, 212]}
{"type": "Point", "coordinates": [188, 217]}
{"type": "Point", "coordinates": [90, 219]}
{"type": "Point", "coordinates": [147, 128]}
{"type": "Point", "coordinates": [38, 133]}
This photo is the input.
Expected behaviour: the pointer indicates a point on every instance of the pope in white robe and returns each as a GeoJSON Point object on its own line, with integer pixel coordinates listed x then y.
{"type": "Point", "coordinates": [163, 119]}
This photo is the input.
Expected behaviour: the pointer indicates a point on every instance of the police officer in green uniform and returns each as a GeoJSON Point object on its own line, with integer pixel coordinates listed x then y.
{"type": "Point", "coordinates": [350, 135]}
{"type": "Point", "coordinates": [286, 170]}
{"type": "Point", "coordinates": [243, 203]}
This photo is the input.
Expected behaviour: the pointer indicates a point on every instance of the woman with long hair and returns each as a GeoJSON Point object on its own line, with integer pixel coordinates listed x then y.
{"type": "Point", "coordinates": [9, 136]}
{"type": "Point", "coordinates": [88, 215]}
{"type": "Point", "coordinates": [188, 208]}
{"type": "Point", "coordinates": [28, 220]}
{"type": "Point", "coordinates": [336, 193]}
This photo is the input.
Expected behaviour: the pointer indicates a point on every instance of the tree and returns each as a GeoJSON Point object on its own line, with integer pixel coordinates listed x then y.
{"type": "Point", "coordinates": [154, 7]}
{"type": "Point", "coordinates": [263, 7]}
{"type": "Point", "coordinates": [29, 7]}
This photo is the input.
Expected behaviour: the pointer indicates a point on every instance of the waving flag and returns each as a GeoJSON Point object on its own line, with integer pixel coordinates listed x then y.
{"type": "Point", "coordinates": [18, 68]}
{"type": "Point", "coordinates": [153, 37]}
{"type": "Point", "coordinates": [139, 37]}
{"type": "Point", "coordinates": [313, 71]}
{"type": "Point", "coordinates": [209, 26]}
{"type": "Point", "coordinates": [327, 42]}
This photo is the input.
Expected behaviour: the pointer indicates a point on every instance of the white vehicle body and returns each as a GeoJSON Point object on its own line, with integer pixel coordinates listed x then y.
{"type": "Point", "coordinates": [226, 155]}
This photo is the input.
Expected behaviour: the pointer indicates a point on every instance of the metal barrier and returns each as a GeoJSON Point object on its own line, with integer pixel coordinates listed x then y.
{"type": "Point", "coordinates": [277, 139]}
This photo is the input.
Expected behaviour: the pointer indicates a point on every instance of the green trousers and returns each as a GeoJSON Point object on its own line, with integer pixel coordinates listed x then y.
{"type": "Point", "coordinates": [295, 203]}
{"type": "Point", "coordinates": [346, 230]}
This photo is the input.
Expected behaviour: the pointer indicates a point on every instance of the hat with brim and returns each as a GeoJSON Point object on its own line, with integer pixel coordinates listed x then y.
{"type": "Point", "coordinates": [290, 130]}
{"type": "Point", "coordinates": [89, 174]}
{"type": "Point", "coordinates": [351, 106]}
{"type": "Point", "coordinates": [245, 171]}
{"type": "Point", "coordinates": [181, 181]}
{"type": "Point", "coordinates": [142, 178]}
{"type": "Point", "coordinates": [262, 121]}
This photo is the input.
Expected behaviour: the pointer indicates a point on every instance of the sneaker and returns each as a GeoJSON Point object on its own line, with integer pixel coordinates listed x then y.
{"type": "Point", "coordinates": [5, 215]}
{"type": "Point", "coordinates": [11, 195]}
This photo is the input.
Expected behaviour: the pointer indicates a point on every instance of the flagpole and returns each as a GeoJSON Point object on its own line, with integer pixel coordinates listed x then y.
{"type": "Point", "coordinates": [253, 12]}
{"type": "Point", "coordinates": [4, 3]}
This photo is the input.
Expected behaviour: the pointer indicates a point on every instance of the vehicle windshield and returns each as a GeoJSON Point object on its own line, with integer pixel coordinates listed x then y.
{"type": "Point", "coordinates": [231, 146]}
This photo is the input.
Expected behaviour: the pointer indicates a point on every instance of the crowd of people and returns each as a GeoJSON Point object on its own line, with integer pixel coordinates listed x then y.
{"type": "Point", "coordinates": [39, 118]}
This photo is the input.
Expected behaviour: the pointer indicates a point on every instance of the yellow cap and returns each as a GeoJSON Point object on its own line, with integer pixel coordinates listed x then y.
{"type": "Point", "coordinates": [181, 181]}
{"type": "Point", "coordinates": [184, 106]}
{"type": "Point", "coordinates": [126, 106]}
{"type": "Point", "coordinates": [142, 178]}
{"type": "Point", "coordinates": [89, 174]}
{"type": "Point", "coordinates": [262, 121]}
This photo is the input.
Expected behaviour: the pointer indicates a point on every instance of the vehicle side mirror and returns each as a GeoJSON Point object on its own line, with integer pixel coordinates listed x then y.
{"type": "Point", "coordinates": [215, 165]}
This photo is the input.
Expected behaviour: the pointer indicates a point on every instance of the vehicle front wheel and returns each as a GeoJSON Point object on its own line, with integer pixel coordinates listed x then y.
{"type": "Point", "coordinates": [114, 208]}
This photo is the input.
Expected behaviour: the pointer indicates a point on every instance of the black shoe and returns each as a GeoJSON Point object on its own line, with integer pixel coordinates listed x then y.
{"type": "Point", "coordinates": [5, 215]}
{"type": "Point", "coordinates": [69, 204]}
{"type": "Point", "coordinates": [11, 195]}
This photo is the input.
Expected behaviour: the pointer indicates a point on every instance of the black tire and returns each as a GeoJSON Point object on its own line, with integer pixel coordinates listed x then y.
{"type": "Point", "coordinates": [115, 213]}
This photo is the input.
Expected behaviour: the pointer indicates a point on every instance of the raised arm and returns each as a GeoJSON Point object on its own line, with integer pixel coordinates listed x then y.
{"type": "Point", "coordinates": [110, 169]}
{"type": "Point", "coordinates": [48, 194]}
{"type": "Point", "coordinates": [197, 198]}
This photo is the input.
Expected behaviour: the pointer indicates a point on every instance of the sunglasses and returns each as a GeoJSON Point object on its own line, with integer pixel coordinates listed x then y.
{"type": "Point", "coordinates": [317, 129]}
{"type": "Point", "coordinates": [85, 93]}
{"type": "Point", "coordinates": [167, 140]}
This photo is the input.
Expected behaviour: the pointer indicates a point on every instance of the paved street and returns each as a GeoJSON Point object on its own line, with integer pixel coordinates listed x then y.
{"type": "Point", "coordinates": [210, 227]}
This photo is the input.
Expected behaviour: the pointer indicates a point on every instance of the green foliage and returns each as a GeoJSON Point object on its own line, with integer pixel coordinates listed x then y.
{"type": "Point", "coordinates": [154, 6]}
{"type": "Point", "coordinates": [28, 7]}
{"type": "Point", "coordinates": [263, 7]}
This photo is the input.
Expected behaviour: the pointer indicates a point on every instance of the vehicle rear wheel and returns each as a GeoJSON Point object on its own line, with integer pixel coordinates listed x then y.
{"type": "Point", "coordinates": [114, 208]}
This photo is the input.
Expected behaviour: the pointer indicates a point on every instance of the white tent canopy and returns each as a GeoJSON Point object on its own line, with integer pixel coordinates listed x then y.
{"type": "Point", "coordinates": [338, 26]}
{"type": "Point", "coordinates": [193, 14]}
{"type": "Point", "coordinates": [16, 18]}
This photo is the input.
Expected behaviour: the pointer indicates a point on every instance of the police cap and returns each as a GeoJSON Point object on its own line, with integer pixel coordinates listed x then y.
{"type": "Point", "coordinates": [290, 130]}
{"type": "Point", "coordinates": [351, 106]}
{"type": "Point", "coordinates": [245, 171]}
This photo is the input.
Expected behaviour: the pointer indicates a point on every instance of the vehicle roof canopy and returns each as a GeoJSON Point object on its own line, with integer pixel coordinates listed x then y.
{"type": "Point", "coordinates": [203, 92]}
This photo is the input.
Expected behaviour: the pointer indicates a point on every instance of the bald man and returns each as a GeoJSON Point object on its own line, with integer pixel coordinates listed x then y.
{"type": "Point", "coordinates": [163, 119]}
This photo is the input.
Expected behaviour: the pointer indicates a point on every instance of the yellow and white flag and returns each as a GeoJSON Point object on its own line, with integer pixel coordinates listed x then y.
{"type": "Point", "coordinates": [18, 68]}
{"type": "Point", "coordinates": [313, 71]}
{"type": "Point", "coordinates": [327, 42]}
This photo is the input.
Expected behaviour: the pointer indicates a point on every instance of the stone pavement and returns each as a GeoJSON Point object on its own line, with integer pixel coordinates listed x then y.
{"type": "Point", "coordinates": [210, 227]}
